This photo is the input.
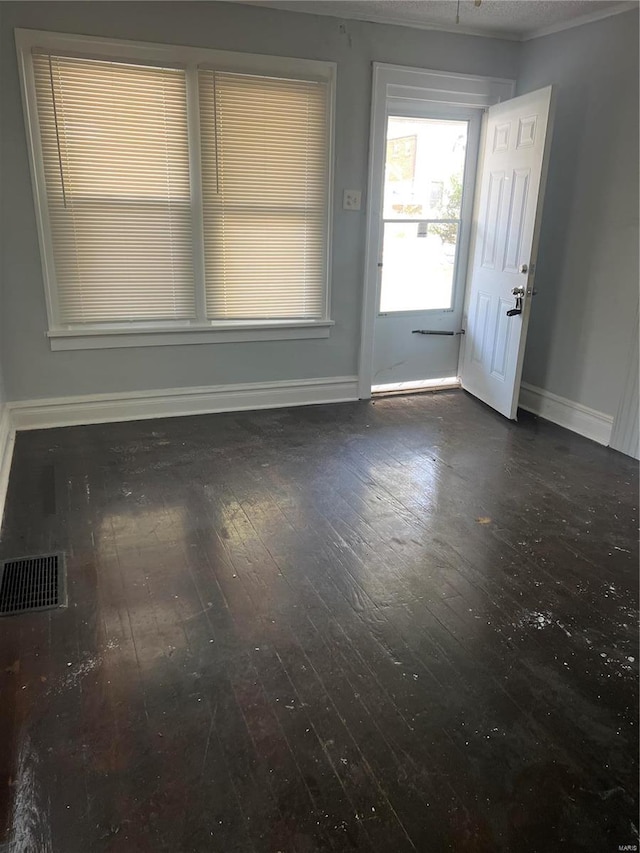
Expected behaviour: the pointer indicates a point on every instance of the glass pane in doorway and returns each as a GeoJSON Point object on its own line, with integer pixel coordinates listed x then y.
{"type": "Point", "coordinates": [418, 267]}
{"type": "Point", "coordinates": [421, 209]}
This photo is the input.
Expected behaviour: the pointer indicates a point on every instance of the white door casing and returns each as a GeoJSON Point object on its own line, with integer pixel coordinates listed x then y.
{"type": "Point", "coordinates": [510, 191]}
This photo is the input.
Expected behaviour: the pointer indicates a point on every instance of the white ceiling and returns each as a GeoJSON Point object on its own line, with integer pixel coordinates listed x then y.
{"type": "Point", "coordinates": [514, 19]}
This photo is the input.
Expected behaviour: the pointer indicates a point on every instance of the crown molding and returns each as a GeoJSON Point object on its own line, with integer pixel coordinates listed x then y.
{"type": "Point", "coordinates": [454, 29]}
{"type": "Point", "coordinates": [592, 17]}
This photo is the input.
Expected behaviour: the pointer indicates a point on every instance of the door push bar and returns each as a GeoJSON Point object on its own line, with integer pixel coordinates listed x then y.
{"type": "Point", "coordinates": [435, 332]}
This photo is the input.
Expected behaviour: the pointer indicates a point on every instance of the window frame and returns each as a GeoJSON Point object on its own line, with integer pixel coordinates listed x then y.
{"type": "Point", "coordinates": [201, 330]}
{"type": "Point", "coordinates": [446, 112]}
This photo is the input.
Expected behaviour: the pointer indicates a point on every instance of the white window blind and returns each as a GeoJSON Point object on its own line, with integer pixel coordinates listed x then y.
{"type": "Point", "coordinates": [116, 163]}
{"type": "Point", "coordinates": [265, 151]}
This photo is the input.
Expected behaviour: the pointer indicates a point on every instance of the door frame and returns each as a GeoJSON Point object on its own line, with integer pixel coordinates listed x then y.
{"type": "Point", "coordinates": [400, 83]}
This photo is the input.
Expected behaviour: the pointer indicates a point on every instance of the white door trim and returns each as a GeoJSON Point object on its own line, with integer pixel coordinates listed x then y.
{"type": "Point", "coordinates": [7, 440]}
{"type": "Point", "coordinates": [409, 84]}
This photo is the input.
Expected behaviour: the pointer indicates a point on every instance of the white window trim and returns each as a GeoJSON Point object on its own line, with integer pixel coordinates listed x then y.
{"type": "Point", "coordinates": [113, 337]}
{"type": "Point", "coordinates": [99, 335]}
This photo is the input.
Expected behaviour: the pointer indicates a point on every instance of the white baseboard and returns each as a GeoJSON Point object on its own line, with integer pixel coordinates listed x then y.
{"type": "Point", "coordinates": [173, 402]}
{"type": "Point", "coordinates": [7, 438]}
{"type": "Point", "coordinates": [566, 413]}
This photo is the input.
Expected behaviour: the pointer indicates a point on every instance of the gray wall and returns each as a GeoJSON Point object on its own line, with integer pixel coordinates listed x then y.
{"type": "Point", "coordinates": [3, 394]}
{"type": "Point", "coordinates": [583, 318]}
{"type": "Point", "coordinates": [2, 356]}
{"type": "Point", "coordinates": [34, 371]}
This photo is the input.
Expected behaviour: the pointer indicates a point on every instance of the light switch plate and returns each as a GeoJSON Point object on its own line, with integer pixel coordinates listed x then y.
{"type": "Point", "coordinates": [351, 200]}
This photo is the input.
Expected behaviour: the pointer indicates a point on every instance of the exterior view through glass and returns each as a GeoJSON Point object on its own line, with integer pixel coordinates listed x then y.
{"type": "Point", "coordinates": [421, 212]}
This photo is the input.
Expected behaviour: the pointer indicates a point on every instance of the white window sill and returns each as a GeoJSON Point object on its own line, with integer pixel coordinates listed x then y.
{"type": "Point", "coordinates": [229, 332]}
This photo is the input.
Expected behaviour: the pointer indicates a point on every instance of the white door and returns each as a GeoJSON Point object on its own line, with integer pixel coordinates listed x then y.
{"type": "Point", "coordinates": [425, 227]}
{"type": "Point", "coordinates": [506, 228]}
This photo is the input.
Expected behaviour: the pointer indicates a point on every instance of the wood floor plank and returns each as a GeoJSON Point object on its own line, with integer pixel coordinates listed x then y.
{"type": "Point", "coordinates": [399, 625]}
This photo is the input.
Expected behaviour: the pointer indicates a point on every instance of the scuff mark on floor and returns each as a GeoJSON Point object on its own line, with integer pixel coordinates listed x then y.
{"type": "Point", "coordinates": [30, 829]}
{"type": "Point", "coordinates": [81, 669]}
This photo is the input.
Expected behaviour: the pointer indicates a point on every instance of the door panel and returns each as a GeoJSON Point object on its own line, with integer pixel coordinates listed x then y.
{"type": "Point", "coordinates": [418, 267]}
{"type": "Point", "coordinates": [404, 357]}
{"type": "Point", "coordinates": [505, 241]}
{"type": "Point", "coordinates": [493, 207]}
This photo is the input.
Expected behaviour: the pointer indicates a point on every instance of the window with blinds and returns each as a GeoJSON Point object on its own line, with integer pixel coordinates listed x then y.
{"type": "Point", "coordinates": [116, 163]}
{"type": "Point", "coordinates": [264, 180]}
{"type": "Point", "coordinates": [179, 189]}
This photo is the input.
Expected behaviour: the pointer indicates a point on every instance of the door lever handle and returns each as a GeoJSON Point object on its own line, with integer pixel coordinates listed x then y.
{"type": "Point", "coordinates": [518, 309]}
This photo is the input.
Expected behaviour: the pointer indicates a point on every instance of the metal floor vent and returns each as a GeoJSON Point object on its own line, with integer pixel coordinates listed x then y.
{"type": "Point", "coordinates": [32, 583]}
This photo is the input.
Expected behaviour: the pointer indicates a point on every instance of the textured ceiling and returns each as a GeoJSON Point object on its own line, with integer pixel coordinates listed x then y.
{"type": "Point", "coordinates": [506, 18]}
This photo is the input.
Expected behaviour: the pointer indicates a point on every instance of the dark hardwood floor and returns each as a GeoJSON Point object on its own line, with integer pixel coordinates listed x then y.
{"type": "Point", "coordinates": [402, 626]}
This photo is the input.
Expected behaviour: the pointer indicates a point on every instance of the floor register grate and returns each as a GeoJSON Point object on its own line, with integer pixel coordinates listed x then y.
{"type": "Point", "coordinates": [32, 583]}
